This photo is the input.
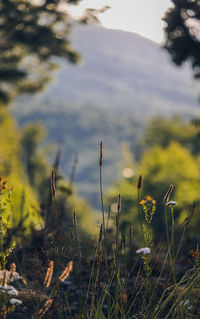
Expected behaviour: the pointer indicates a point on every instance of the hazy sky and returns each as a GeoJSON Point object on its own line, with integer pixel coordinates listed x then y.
{"type": "Point", "coordinates": [140, 16]}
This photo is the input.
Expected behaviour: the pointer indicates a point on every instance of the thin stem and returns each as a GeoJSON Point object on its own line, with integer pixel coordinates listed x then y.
{"type": "Point", "coordinates": [172, 246]}
{"type": "Point", "coordinates": [102, 203]}
{"type": "Point", "coordinates": [140, 217]}
{"type": "Point", "coordinates": [168, 243]}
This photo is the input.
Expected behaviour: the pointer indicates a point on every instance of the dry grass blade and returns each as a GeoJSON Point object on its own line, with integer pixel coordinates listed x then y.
{"type": "Point", "coordinates": [71, 233]}
{"type": "Point", "coordinates": [73, 171]}
{"type": "Point", "coordinates": [187, 220]}
{"type": "Point", "coordinates": [49, 273]}
{"type": "Point", "coordinates": [117, 221]}
{"type": "Point", "coordinates": [74, 219]}
{"type": "Point", "coordinates": [53, 184]}
{"type": "Point", "coordinates": [44, 309]}
{"type": "Point", "coordinates": [66, 271]}
{"type": "Point", "coordinates": [100, 233]}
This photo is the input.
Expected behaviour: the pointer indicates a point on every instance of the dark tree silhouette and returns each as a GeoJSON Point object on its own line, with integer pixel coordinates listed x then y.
{"type": "Point", "coordinates": [32, 34]}
{"type": "Point", "coordinates": [182, 32]}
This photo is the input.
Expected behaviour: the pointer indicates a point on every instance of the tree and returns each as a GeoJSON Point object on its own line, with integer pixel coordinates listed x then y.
{"type": "Point", "coordinates": [182, 32]}
{"type": "Point", "coordinates": [160, 167]}
{"type": "Point", "coordinates": [32, 33]}
{"type": "Point", "coordinates": [162, 132]}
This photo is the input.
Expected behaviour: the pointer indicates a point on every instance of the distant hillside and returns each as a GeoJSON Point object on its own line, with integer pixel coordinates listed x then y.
{"type": "Point", "coordinates": [123, 80]}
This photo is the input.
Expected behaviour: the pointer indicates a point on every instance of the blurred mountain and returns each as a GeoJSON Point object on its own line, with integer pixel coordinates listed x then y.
{"type": "Point", "coordinates": [122, 80]}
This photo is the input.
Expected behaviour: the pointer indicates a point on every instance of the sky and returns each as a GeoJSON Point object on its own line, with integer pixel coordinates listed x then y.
{"type": "Point", "coordinates": [140, 16]}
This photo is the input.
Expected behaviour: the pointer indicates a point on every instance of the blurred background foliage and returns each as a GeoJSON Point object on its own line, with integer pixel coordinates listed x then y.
{"type": "Point", "coordinates": [24, 198]}
{"type": "Point", "coordinates": [169, 155]}
{"type": "Point", "coordinates": [182, 33]}
{"type": "Point", "coordinates": [33, 35]}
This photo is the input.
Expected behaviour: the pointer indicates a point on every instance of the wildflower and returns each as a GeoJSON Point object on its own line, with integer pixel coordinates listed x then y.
{"type": "Point", "coordinates": [195, 254]}
{"type": "Point", "coordinates": [171, 203]}
{"type": "Point", "coordinates": [14, 301]}
{"type": "Point", "coordinates": [9, 290]}
{"type": "Point", "coordinates": [145, 251]}
{"type": "Point", "coordinates": [149, 207]}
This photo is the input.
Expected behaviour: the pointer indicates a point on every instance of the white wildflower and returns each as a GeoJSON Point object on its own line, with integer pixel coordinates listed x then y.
{"type": "Point", "coordinates": [145, 251]}
{"type": "Point", "coordinates": [171, 203]}
{"type": "Point", "coordinates": [186, 302]}
{"type": "Point", "coordinates": [14, 301]}
{"type": "Point", "coordinates": [9, 289]}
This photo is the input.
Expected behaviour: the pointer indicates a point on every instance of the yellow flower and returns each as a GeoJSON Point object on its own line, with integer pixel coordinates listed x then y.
{"type": "Point", "coordinates": [149, 207]}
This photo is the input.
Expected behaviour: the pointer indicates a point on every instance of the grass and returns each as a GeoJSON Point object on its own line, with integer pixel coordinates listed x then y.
{"type": "Point", "coordinates": [115, 280]}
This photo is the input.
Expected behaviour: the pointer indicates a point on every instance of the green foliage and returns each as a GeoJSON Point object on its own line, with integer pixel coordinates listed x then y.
{"type": "Point", "coordinates": [25, 200]}
{"type": "Point", "coordinates": [31, 34]}
{"type": "Point", "coordinates": [162, 132]}
{"type": "Point", "coordinates": [182, 32]}
{"type": "Point", "coordinates": [34, 156]}
{"type": "Point", "coordinates": [161, 167]}
{"type": "Point", "coordinates": [172, 165]}
{"type": "Point", "coordinates": [5, 194]}
{"type": "Point", "coordinates": [78, 133]}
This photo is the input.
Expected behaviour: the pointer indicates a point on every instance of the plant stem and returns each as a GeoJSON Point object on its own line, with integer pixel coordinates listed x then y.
{"type": "Point", "coordinates": [140, 217]}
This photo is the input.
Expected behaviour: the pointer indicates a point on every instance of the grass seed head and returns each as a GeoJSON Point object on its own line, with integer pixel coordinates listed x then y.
{"type": "Point", "coordinates": [66, 271]}
{"type": "Point", "coordinates": [167, 195]}
{"type": "Point", "coordinates": [49, 273]}
{"type": "Point", "coordinates": [119, 203]}
{"type": "Point", "coordinates": [44, 309]}
{"type": "Point", "coordinates": [140, 181]}
{"type": "Point", "coordinates": [101, 155]}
